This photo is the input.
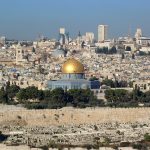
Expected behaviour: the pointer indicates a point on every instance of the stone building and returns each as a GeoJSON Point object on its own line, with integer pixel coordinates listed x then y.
{"type": "Point", "coordinates": [142, 85]}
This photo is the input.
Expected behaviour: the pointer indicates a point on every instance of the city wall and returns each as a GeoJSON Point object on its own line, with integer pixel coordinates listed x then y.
{"type": "Point", "coordinates": [68, 116]}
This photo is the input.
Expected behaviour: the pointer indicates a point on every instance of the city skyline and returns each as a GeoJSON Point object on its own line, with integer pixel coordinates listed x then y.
{"type": "Point", "coordinates": [25, 20]}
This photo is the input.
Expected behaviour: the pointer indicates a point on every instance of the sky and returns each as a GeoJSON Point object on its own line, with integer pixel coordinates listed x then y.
{"type": "Point", "coordinates": [27, 19]}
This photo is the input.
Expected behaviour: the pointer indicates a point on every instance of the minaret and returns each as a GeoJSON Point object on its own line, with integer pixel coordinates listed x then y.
{"type": "Point", "coordinates": [79, 40]}
{"type": "Point", "coordinates": [67, 35]}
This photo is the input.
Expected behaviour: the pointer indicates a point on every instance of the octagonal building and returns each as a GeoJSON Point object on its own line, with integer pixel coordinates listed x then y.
{"type": "Point", "coordinates": [73, 77]}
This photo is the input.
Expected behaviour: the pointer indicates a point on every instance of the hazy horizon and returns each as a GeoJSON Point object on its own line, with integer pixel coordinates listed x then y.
{"type": "Point", "coordinates": [26, 19]}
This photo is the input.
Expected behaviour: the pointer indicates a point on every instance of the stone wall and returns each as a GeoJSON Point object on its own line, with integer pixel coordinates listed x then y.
{"type": "Point", "coordinates": [67, 116]}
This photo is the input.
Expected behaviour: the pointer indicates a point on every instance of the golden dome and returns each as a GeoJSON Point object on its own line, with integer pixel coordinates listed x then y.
{"type": "Point", "coordinates": [72, 66]}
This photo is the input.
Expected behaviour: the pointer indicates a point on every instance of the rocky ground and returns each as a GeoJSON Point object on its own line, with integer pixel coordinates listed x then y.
{"type": "Point", "coordinates": [75, 134]}
{"type": "Point", "coordinates": [68, 126]}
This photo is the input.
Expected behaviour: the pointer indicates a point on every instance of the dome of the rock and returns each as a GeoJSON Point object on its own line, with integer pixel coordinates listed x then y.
{"type": "Point", "coordinates": [72, 66]}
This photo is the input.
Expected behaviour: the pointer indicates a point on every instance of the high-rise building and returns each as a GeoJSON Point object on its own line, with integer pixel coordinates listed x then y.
{"type": "Point", "coordinates": [62, 31]}
{"type": "Point", "coordinates": [138, 33]}
{"type": "Point", "coordinates": [62, 36]}
{"type": "Point", "coordinates": [102, 32]}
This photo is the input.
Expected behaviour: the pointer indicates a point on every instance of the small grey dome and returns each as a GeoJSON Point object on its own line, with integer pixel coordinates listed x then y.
{"type": "Point", "coordinates": [59, 53]}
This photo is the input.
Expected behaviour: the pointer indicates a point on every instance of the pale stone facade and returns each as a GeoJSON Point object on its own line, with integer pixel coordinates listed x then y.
{"type": "Point", "coordinates": [142, 85]}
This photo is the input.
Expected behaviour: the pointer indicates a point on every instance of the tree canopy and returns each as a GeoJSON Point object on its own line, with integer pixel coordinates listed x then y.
{"type": "Point", "coordinates": [105, 50]}
{"type": "Point", "coordinates": [33, 98]}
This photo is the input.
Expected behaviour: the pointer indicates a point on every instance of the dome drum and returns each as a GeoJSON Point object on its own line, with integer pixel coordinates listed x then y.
{"type": "Point", "coordinates": [73, 76]}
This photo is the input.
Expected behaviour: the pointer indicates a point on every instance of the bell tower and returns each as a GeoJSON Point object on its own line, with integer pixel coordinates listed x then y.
{"type": "Point", "coordinates": [19, 54]}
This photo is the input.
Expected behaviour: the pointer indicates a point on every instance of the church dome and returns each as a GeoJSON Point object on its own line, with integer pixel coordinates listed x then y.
{"type": "Point", "coordinates": [72, 66]}
{"type": "Point", "coordinates": [59, 53]}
